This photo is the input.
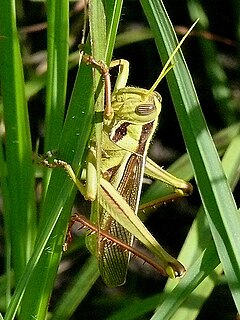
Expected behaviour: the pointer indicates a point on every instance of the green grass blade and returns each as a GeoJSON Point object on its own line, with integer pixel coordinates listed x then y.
{"type": "Point", "coordinates": [136, 309]}
{"type": "Point", "coordinates": [72, 145]}
{"type": "Point", "coordinates": [20, 211]}
{"type": "Point", "coordinates": [98, 45]}
{"type": "Point", "coordinates": [81, 285]}
{"type": "Point", "coordinates": [61, 188]}
{"type": "Point", "coordinates": [37, 294]}
{"type": "Point", "coordinates": [58, 47]}
{"type": "Point", "coordinates": [202, 267]}
{"type": "Point", "coordinates": [214, 189]}
{"type": "Point", "coordinates": [113, 12]}
{"type": "Point", "coordinates": [198, 238]}
{"type": "Point", "coordinates": [7, 224]}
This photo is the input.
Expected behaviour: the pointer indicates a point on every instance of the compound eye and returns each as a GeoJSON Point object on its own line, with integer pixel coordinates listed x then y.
{"type": "Point", "coordinates": [145, 109]}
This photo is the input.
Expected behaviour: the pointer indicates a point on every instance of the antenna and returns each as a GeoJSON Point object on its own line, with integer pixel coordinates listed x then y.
{"type": "Point", "coordinates": [168, 65]}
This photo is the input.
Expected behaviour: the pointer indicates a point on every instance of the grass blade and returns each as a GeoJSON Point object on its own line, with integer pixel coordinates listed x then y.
{"type": "Point", "coordinates": [81, 285]}
{"type": "Point", "coordinates": [17, 172]}
{"type": "Point", "coordinates": [215, 192]}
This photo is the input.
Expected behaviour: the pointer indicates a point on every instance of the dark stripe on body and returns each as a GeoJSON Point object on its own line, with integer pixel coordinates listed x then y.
{"type": "Point", "coordinates": [120, 132]}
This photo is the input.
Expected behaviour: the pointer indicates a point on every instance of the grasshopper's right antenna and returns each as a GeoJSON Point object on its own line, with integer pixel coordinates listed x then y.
{"type": "Point", "coordinates": [168, 65]}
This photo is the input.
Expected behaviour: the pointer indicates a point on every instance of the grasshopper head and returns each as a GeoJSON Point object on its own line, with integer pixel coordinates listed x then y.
{"type": "Point", "coordinates": [136, 105]}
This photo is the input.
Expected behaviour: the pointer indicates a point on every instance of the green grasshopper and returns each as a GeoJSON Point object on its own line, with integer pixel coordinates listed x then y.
{"type": "Point", "coordinates": [130, 119]}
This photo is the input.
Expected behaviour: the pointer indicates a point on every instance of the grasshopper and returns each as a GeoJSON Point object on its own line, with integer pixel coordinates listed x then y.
{"type": "Point", "coordinates": [130, 119]}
